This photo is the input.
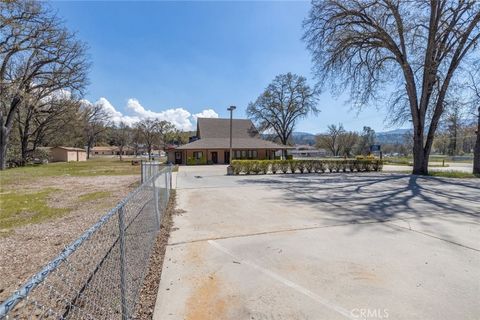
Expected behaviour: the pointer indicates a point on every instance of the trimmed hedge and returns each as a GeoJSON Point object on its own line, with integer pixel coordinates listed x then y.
{"type": "Point", "coordinates": [192, 161]}
{"type": "Point", "coordinates": [304, 166]}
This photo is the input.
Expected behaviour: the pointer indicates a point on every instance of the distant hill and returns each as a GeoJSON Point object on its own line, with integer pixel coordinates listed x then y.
{"type": "Point", "coordinates": [387, 137]}
{"type": "Point", "coordinates": [396, 136]}
{"type": "Point", "coordinates": [303, 138]}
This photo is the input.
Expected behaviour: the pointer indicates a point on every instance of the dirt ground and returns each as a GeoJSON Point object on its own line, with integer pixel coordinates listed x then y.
{"type": "Point", "coordinates": [25, 250]}
{"type": "Point", "coordinates": [148, 294]}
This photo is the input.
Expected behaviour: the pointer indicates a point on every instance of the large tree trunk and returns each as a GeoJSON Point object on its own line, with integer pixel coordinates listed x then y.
{"type": "Point", "coordinates": [24, 147]}
{"type": "Point", "coordinates": [476, 151]}
{"type": "Point", "coordinates": [89, 147]}
{"type": "Point", "coordinates": [3, 146]}
{"type": "Point", "coordinates": [420, 157]}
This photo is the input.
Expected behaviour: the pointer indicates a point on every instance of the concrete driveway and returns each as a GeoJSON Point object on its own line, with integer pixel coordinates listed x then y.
{"type": "Point", "coordinates": [330, 246]}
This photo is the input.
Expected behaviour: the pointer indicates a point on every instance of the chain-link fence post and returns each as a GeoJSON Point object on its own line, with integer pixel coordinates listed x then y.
{"type": "Point", "coordinates": [141, 171]}
{"type": "Point", "coordinates": [171, 169]}
{"type": "Point", "coordinates": [155, 199]}
{"type": "Point", "coordinates": [123, 281]}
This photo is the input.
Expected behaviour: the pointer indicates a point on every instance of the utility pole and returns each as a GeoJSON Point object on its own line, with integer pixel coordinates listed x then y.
{"type": "Point", "coordinates": [229, 168]}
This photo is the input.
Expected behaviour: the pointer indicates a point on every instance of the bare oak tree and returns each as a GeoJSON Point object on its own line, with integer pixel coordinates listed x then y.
{"type": "Point", "coordinates": [122, 137]}
{"type": "Point", "coordinates": [418, 46]}
{"type": "Point", "coordinates": [165, 130]}
{"type": "Point", "coordinates": [95, 122]}
{"type": "Point", "coordinates": [36, 52]}
{"type": "Point", "coordinates": [148, 132]}
{"type": "Point", "coordinates": [475, 106]}
{"type": "Point", "coordinates": [40, 117]}
{"type": "Point", "coordinates": [347, 142]}
{"type": "Point", "coordinates": [331, 139]}
{"type": "Point", "coordinates": [285, 101]}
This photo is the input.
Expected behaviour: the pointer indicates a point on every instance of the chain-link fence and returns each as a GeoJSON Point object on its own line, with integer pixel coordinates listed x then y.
{"type": "Point", "coordinates": [150, 168]}
{"type": "Point", "coordinates": [99, 275]}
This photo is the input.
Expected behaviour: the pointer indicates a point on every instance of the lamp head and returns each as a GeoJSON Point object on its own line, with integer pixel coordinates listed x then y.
{"type": "Point", "coordinates": [231, 108]}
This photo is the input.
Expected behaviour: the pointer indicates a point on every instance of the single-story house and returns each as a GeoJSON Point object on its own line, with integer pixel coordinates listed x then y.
{"type": "Point", "coordinates": [212, 143]}
{"type": "Point", "coordinates": [110, 151]}
{"type": "Point", "coordinates": [306, 151]}
{"type": "Point", "coordinates": [68, 154]}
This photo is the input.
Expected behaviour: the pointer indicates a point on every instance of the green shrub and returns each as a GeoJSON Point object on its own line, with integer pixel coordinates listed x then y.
{"type": "Point", "coordinates": [274, 166]}
{"type": "Point", "coordinates": [264, 166]}
{"type": "Point", "coordinates": [309, 166]}
{"type": "Point", "coordinates": [284, 166]}
{"type": "Point", "coordinates": [294, 166]}
{"type": "Point", "coordinates": [256, 166]}
{"type": "Point", "coordinates": [301, 165]}
{"type": "Point", "coordinates": [318, 166]}
{"type": "Point", "coordinates": [193, 161]}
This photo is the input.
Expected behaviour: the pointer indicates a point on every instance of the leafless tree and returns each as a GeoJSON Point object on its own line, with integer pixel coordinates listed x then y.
{"type": "Point", "coordinates": [95, 122]}
{"type": "Point", "coordinates": [36, 52]}
{"type": "Point", "coordinates": [165, 130]}
{"type": "Point", "coordinates": [365, 140]}
{"type": "Point", "coordinates": [347, 141]}
{"type": "Point", "coordinates": [122, 136]}
{"type": "Point", "coordinates": [40, 117]}
{"type": "Point", "coordinates": [418, 46]}
{"type": "Point", "coordinates": [136, 139]}
{"type": "Point", "coordinates": [148, 130]}
{"type": "Point", "coordinates": [331, 140]}
{"type": "Point", "coordinates": [285, 101]}
{"type": "Point", "coordinates": [475, 104]}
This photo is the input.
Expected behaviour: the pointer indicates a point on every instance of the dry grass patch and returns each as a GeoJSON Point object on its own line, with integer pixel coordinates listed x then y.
{"type": "Point", "coordinates": [19, 208]}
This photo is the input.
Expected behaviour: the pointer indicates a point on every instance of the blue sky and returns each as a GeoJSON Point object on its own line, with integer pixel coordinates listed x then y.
{"type": "Point", "coordinates": [178, 59]}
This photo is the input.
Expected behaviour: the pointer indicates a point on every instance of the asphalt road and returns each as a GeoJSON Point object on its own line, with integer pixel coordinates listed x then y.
{"type": "Point", "coordinates": [329, 246]}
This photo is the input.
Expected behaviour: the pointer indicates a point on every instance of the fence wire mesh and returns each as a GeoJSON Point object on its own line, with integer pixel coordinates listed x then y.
{"type": "Point", "coordinates": [100, 275]}
{"type": "Point", "coordinates": [150, 168]}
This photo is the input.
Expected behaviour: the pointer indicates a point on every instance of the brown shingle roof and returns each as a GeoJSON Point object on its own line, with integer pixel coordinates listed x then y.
{"type": "Point", "coordinates": [220, 128]}
{"type": "Point", "coordinates": [107, 148]}
{"type": "Point", "coordinates": [224, 143]}
{"type": "Point", "coordinates": [215, 134]}
{"type": "Point", "coordinates": [70, 149]}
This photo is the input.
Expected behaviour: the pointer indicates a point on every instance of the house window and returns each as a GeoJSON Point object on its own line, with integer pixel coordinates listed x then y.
{"type": "Point", "coordinates": [198, 155]}
{"type": "Point", "coordinates": [245, 154]}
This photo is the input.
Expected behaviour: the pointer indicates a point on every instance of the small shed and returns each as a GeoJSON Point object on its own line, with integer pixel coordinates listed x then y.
{"type": "Point", "coordinates": [67, 154]}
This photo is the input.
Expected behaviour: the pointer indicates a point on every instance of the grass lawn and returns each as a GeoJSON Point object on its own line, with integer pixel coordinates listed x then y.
{"type": "Point", "coordinates": [92, 196]}
{"type": "Point", "coordinates": [93, 167]}
{"type": "Point", "coordinates": [20, 208]}
{"type": "Point", "coordinates": [452, 174]}
{"type": "Point", "coordinates": [20, 205]}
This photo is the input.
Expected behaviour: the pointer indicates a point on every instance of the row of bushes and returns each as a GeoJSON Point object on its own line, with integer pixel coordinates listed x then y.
{"type": "Point", "coordinates": [192, 161]}
{"type": "Point", "coordinates": [303, 166]}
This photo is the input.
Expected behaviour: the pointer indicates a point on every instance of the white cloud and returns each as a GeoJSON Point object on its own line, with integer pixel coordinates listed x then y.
{"type": "Point", "coordinates": [207, 113]}
{"type": "Point", "coordinates": [182, 119]}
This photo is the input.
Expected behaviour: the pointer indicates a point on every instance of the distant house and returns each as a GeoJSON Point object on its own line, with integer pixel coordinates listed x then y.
{"type": "Point", "coordinates": [307, 151]}
{"type": "Point", "coordinates": [110, 151]}
{"type": "Point", "coordinates": [67, 154]}
{"type": "Point", "coordinates": [212, 142]}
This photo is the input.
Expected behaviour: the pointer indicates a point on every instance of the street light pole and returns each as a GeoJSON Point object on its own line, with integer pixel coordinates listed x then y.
{"type": "Point", "coordinates": [229, 168]}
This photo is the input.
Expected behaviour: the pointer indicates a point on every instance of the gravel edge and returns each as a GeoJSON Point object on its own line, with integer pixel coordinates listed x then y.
{"type": "Point", "coordinates": [148, 294]}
